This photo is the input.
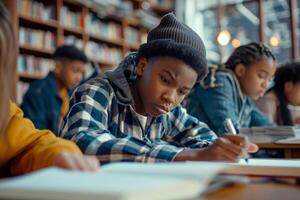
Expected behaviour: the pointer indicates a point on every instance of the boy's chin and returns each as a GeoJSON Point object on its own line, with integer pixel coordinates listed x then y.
{"type": "Point", "coordinates": [256, 97]}
{"type": "Point", "coordinates": [154, 114]}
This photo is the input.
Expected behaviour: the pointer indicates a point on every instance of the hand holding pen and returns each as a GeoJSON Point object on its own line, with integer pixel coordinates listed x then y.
{"type": "Point", "coordinates": [225, 148]}
{"type": "Point", "coordinates": [250, 147]}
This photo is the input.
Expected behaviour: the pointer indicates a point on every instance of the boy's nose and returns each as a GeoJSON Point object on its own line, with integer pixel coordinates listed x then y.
{"type": "Point", "coordinates": [169, 97]}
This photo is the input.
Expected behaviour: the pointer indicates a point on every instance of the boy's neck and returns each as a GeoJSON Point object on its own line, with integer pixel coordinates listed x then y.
{"type": "Point", "coordinates": [59, 82]}
{"type": "Point", "coordinates": [138, 105]}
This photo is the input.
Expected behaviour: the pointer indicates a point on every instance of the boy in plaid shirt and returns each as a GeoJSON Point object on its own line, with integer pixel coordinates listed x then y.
{"type": "Point", "coordinates": [134, 114]}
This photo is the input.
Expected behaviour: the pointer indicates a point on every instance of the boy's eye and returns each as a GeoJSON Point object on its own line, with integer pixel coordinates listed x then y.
{"type": "Point", "coordinates": [164, 80]}
{"type": "Point", "coordinates": [182, 92]}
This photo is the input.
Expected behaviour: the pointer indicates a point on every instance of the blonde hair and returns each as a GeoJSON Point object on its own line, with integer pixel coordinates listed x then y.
{"type": "Point", "coordinates": [8, 57]}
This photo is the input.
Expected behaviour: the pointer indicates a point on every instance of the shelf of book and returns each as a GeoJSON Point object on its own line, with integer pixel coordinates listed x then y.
{"type": "Point", "coordinates": [27, 49]}
{"type": "Point", "coordinates": [114, 42]}
{"type": "Point", "coordinates": [25, 76]}
{"type": "Point", "coordinates": [105, 36]}
{"type": "Point", "coordinates": [73, 31]}
{"type": "Point", "coordinates": [37, 23]}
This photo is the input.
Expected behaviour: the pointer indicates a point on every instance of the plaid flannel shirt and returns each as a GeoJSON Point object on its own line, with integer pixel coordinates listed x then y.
{"type": "Point", "coordinates": [102, 123]}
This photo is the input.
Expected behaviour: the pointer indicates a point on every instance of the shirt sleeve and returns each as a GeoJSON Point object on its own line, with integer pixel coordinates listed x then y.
{"type": "Point", "coordinates": [30, 149]}
{"type": "Point", "coordinates": [34, 109]}
{"type": "Point", "coordinates": [87, 125]}
{"type": "Point", "coordinates": [187, 131]}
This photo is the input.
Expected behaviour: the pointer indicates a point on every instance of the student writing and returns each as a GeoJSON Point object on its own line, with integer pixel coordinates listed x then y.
{"type": "Point", "coordinates": [134, 114]}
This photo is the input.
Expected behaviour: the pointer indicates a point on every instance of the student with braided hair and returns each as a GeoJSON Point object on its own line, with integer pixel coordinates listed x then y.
{"type": "Point", "coordinates": [228, 90]}
{"type": "Point", "coordinates": [283, 95]}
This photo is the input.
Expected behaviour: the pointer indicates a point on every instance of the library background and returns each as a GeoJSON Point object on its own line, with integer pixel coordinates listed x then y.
{"type": "Point", "coordinates": [107, 30]}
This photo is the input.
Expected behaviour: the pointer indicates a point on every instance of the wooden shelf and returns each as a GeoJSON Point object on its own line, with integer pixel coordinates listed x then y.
{"type": "Point", "coordinates": [73, 31]}
{"type": "Point", "coordinates": [137, 1]}
{"type": "Point", "coordinates": [37, 23]}
{"type": "Point", "coordinates": [27, 49]}
{"type": "Point", "coordinates": [24, 76]}
{"type": "Point", "coordinates": [134, 47]}
{"type": "Point", "coordinates": [73, 3]}
{"type": "Point", "coordinates": [115, 42]}
{"type": "Point", "coordinates": [60, 31]}
{"type": "Point", "coordinates": [133, 22]}
{"type": "Point", "coordinates": [161, 10]}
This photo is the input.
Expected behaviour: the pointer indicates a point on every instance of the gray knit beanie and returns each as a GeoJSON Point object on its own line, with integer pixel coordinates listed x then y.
{"type": "Point", "coordinates": [173, 38]}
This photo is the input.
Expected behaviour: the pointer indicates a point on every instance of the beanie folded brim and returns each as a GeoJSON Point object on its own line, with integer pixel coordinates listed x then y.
{"type": "Point", "coordinates": [186, 53]}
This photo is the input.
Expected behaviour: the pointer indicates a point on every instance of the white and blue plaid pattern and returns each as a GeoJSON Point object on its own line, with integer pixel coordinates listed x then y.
{"type": "Point", "coordinates": [100, 124]}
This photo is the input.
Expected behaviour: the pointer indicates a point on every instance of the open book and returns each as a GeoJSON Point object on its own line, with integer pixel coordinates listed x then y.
{"type": "Point", "coordinates": [279, 134]}
{"type": "Point", "coordinates": [265, 167]}
{"type": "Point", "coordinates": [123, 181]}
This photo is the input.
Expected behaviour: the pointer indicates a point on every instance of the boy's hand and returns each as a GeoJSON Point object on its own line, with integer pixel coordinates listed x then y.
{"type": "Point", "coordinates": [73, 161]}
{"type": "Point", "coordinates": [226, 148]}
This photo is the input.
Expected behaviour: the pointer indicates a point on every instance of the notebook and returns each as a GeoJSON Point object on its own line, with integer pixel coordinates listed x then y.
{"type": "Point", "coordinates": [124, 181]}
{"type": "Point", "coordinates": [290, 140]}
{"type": "Point", "coordinates": [271, 134]}
{"type": "Point", "coordinates": [265, 167]}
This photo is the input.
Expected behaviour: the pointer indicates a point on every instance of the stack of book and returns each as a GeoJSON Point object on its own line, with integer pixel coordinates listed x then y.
{"type": "Point", "coordinates": [278, 134]}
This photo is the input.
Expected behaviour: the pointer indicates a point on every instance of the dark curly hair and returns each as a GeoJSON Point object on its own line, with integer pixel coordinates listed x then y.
{"type": "Point", "coordinates": [165, 47]}
{"type": "Point", "coordinates": [248, 54]}
{"type": "Point", "coordinates": [289, 72]}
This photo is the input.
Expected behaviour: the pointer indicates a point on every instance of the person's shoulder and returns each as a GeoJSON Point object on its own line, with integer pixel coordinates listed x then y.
{"type": "Point", "coordinates": [219, 79]}
{"type": "Point", "coordinates": [96, 85]}
{"type": "Point", "coordinates": [224, 75]}
{"type": "Point", "coordinates": [40, 86]}
{"type": "Point", "coordinates": [14, 110]}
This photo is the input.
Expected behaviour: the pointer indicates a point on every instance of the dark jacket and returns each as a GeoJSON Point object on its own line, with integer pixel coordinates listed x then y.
{"type": "Point", "coordinates": [42, 103]}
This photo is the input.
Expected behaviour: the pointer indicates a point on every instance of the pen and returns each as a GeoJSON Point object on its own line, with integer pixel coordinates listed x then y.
{"type": "Point", "coordinates": [230, 128]}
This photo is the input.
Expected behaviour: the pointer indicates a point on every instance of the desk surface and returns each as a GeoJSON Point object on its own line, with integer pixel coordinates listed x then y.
{"type": "Point", "coordinates": [278, 146]}
{"type": "Point", "coordinates": [257, 191]}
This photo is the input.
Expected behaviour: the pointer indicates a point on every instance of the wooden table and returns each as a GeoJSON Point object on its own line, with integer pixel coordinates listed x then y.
{"type": "Point", "coordinates": [257, 191]}
{"type": "Point", "coordinates": [290, 150]}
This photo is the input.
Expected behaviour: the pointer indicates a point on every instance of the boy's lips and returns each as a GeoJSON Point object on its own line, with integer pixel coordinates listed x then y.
{"type": "Point", "coordinates": [161, 109]}
{"type": "Point", "coordinates": [261, 93]}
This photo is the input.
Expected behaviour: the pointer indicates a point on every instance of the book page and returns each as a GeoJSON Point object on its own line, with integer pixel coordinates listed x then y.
{"type": "Point", "coordinates": [292, 140]}
{"type": "Point", "coordinates": [190, 170]}
{"type": "Point", "coordinates": [271, 162]}
{"type": "Point", "coordinates": [265, 167]}
{"type": "Point", "coordinates": [54, 183]}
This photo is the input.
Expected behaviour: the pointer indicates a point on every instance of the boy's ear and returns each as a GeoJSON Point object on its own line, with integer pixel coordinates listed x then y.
{"type": "Point", "coordinates": [240, 70]}
{"type": "Point", "coordinates": [141, 66]}
{"type": "Point", "coordinates": [58, 67]}
{"type": "Point", "coordinates": [288, 86]}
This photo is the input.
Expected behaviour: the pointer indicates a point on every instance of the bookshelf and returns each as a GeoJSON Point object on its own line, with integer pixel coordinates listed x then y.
{"type": "Point", "coordinates": [105, 36]}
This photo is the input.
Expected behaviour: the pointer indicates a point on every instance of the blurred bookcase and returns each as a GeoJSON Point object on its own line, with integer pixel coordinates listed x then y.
{"type": "Point", "coordinates": [106, 30]}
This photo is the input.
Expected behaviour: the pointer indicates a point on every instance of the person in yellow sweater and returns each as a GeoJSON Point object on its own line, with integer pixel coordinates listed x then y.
{"type": "Point", "coordinates": [23, 148]}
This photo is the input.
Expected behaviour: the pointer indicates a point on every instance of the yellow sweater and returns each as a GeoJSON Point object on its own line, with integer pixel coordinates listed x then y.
{"type": "Point", "coordinates": [23, 148]}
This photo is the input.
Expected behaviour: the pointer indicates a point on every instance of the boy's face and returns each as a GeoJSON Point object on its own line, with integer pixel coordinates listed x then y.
{"type": "Point", "coordinates": [162, 84]}
{"type": "Point", "coordinates": [254, 78]}
{"type": "Point", "coordinates": [70, 72]}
